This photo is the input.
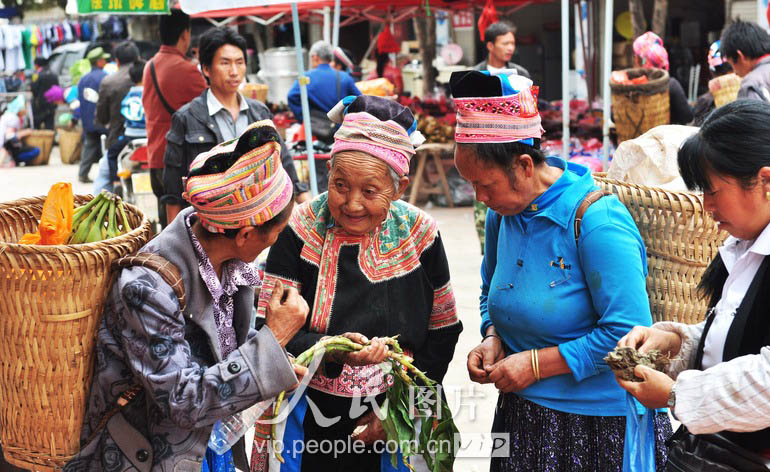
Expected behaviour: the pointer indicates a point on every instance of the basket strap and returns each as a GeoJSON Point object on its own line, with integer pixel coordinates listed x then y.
{"type": "Point", "coordinates": [589, 200]}
{"type": "Point", "coordinates": [125, 398]}
{"type": "Point", "coordinates": [168, 271]}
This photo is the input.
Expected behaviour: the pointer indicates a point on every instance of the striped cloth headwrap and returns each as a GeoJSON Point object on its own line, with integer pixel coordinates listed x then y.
{"type": "Point", "coordinates": [649, 49]}
{"type": "Point", "coordinates": [377, 126]}
{"type": "Point", "coordinates": [505, 119]}
{"type": "Point", "coordinates": [250, 192]}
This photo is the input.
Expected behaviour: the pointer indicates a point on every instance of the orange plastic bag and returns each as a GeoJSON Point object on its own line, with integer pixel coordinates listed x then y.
{"type": "Point", "coordinates": [56, 220]}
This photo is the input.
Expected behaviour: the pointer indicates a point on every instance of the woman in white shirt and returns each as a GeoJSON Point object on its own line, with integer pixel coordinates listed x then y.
{"type": "Point", "coordinates": [720, 380]}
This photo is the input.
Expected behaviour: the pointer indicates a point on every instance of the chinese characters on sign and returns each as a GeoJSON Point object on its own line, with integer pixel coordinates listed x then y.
{"type": "Point", "coordinates": [136, 7]}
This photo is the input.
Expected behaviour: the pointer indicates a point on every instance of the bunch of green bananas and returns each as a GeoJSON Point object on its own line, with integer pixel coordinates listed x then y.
{"type": "Point", "coordinates": [102, 218]}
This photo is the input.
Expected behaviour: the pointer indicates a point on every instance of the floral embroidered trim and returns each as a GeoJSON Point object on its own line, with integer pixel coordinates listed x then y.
{"type": "Point", "coordinates": [444, 311]}
{"type": "Point", "coordinates": [268, 283]}
{"type": "Point", "coordinates": [390, 251]}
{"type": "Point", "coordinates": [354, 381]}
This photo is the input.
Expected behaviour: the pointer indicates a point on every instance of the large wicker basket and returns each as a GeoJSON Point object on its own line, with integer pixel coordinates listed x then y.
{"type": "Point", "coordinates": [638, 108]}
{"type": "Point", "coordinates": [50, 309]}
{"type": "Point", "coordinates": [681, 239]}
{"type": "Point", "coordinates": [70, 144]}
{"type": "Point", "coordinates": [43, 139]}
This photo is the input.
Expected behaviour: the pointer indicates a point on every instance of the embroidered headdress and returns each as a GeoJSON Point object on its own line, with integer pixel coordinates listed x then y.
{"type": "Point", "coordinates": [490, 110]}
{"type": "Point", "coordinates": [649, 49]}
{"type": "Point", "coordinates": [240, 182]}
{"type": "Point", "coordinates": [378, 126]}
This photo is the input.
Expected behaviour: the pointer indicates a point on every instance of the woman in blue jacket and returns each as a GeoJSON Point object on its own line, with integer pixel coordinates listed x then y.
{"type": "Point", "coordinates": [556, 296]}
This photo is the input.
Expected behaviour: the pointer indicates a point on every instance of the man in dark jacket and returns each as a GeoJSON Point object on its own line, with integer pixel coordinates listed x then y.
{"type": "Point", "coordinates": [500, 40]}
{"type": "Point", "coordinates": [42, 111]}
{"type": "Point", "coordinates": [746, 47]}
{"type": "Point", "coordinates": [112, 90]}
{"type": "Point", "coordinates": [219, 114]}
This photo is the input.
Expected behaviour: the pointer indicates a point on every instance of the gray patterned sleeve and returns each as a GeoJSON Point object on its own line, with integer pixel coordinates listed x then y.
{"type": "Point", "coordinates": [152, 333]}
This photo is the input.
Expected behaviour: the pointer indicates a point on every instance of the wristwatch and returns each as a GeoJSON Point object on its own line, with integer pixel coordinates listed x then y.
{"type": "Point", "coordinates": [672, 397]}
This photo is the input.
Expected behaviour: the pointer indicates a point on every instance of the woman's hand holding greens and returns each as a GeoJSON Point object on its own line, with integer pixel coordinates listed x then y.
{"type": "Point", "coordinates": [654, 390]}
{"type": "Point", "coordinates": [375, 353]}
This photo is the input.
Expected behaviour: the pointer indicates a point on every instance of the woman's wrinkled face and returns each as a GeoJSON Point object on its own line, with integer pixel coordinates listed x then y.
{"type": "Point", "coordinates": [492, 184]}
{"type": "Point", "coordinates": [742, 212]}
{"type": "Point", "coordinates": [360, 191]}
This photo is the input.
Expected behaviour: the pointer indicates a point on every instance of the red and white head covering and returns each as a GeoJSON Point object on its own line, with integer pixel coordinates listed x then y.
{"type": "Point", "coordinates": [649, 49]}
{"type": "Point", "coordinates": [240, 182]}
{"type": "Point", "coordinates": [377, 126]}
{"type": "Point", "coordinates": [501, 115]}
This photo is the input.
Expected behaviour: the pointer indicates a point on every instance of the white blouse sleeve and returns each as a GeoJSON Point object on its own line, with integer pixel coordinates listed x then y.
{"type": "Point", "coordinates": [733, 396]}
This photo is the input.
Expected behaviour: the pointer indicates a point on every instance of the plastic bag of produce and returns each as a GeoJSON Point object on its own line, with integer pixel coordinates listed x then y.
{"type": "Point", "coordinates": [56, 219]}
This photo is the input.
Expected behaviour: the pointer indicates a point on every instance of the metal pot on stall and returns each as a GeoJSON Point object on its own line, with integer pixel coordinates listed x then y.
{"type": "Point", "coordinates": [278, 69]}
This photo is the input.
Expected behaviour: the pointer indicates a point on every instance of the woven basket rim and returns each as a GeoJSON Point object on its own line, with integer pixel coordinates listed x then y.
{"type": "Point", "coordinates": [69, 248]}
{"type": "Point", "coordinates": [654, 85]}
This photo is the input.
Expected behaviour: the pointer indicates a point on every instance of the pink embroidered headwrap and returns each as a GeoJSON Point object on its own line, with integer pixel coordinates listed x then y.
{"type": "Point", "coordinates": [386, 140]}
{"type": "Point", "coordinates": [503, 119]}
{"type": "Point", "coordinates": [250, 192]}
{"type": "Point", "coordinates": [649, 48]}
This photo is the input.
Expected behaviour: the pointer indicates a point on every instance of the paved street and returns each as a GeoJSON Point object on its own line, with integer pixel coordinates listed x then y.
{"type": "Point", "coordinates": [473, 404]}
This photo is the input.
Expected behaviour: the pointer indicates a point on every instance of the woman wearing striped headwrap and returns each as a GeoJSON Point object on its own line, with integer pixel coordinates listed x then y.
{"type": "Point", "coordinates": [557, 293]}
{"type": "Point", "coordinates": [198, 362]}
{"type": "Point", "coordinates": [369, 265]}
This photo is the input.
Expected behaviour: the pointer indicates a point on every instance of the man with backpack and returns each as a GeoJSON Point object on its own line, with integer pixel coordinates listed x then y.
{"type": "Point", "coordinates": [170, 81]}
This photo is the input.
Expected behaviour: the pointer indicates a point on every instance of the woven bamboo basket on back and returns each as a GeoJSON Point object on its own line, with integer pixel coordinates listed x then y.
{"type": "Point", "coordinates": [724, 89]}
{"type": "Point", "coordinates": [681, 240]}
{"type": "Point", "coordinates": [640, 107]}
{"type": "Point", "coordinates": [50, 309]}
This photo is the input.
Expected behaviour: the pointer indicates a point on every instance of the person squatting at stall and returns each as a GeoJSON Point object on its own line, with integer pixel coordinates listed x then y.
{"type": "Point", "coordinates": [555, 297]}
{"type": "Point", "coordinates": [198, 362]}
{"type": "Point", "coordinates": [369, 265]}
{"type": "Point", "coordinates": [720, 379]}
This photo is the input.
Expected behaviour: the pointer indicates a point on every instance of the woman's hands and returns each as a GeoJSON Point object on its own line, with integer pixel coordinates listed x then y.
{"type": "Point", "coordinates": [645, 339]}
{"type": "Point", "coordinates": [654, 391]}
{"type": "Point", "coordinates": [512, 373]}
{"type": "Point", "coordinates": [483, 357]}
{"type": "Point", "coordinates": [369, 429]}
{"type": "Point", "coordinates": [375, 353]}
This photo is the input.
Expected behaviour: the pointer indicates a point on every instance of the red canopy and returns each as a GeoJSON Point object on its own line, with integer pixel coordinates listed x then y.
{"type": "Point", "coordinates": [357, 10]}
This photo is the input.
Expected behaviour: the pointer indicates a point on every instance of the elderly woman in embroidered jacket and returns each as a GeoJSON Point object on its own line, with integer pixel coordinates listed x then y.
{"type": "Point", "coordinates": [199, 363]}
{"type": "Point", "coordinates": [368, 265]}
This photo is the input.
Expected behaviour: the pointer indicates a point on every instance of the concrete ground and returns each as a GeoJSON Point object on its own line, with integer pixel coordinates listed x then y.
{"type": "Point", "coordinates": [472, 404]}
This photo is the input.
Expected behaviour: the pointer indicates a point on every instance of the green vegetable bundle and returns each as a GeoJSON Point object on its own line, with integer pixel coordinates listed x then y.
{"type": "Point", "coordinates": [438, 428]}
{"type": "Point", "coordinates": [102, 218]}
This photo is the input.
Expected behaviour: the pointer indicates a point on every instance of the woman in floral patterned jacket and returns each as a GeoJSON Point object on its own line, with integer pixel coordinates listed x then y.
{"type": "Point", "coordinates": [203, 363]}
{"type": "Point", "coordinates": [369, 265]}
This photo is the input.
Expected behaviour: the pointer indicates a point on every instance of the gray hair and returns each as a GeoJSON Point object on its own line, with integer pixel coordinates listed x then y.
{"type": "Point", "coordinates": [323, 50]}
{"type": "Point", "coordinates": [393, 176]}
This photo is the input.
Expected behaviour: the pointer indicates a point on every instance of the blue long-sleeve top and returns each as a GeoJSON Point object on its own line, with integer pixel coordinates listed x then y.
{"type": "Point", "coordinates": [93, 81]}
{"type": "Point", "coordinates": [541, 289]}
{"type": "Point", "coordinates": [322, 90]}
